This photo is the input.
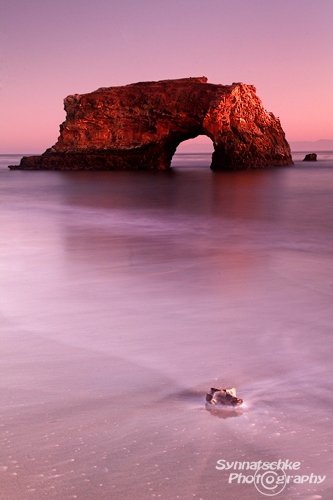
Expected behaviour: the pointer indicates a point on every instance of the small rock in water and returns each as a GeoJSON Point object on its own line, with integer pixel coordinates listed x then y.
{"type": "Point", "coordinates": [223, 397]}
{"type": "Point", "coordinates": [310, 157]}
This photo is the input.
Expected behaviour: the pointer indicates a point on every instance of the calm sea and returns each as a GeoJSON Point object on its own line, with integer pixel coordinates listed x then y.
{"type": "Point", "coordinates": [125, 296]}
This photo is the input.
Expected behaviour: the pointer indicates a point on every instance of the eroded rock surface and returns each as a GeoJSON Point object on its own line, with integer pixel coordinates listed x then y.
{"type": "Point", "coordinates": [139, 126]}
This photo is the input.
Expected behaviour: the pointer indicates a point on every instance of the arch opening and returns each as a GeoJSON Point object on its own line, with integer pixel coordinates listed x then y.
{"type": "Point", "coordinates": [196, 152]}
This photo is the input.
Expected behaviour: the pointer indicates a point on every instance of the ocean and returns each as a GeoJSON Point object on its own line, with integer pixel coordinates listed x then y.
{"type": "Point", "coordinates": [126, 296]}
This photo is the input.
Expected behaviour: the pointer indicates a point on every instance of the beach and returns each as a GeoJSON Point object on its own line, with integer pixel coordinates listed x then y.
{"type": "Point", "coordinates": [126, 296]}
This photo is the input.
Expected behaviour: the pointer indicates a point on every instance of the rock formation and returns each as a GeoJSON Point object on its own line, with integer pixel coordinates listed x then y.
{"type": "Point", "coordinates": [223, 397]}
{"type": "Point", "coordinates": [310, 157]}
{"type": "Point", "coordinates": [139, 126]}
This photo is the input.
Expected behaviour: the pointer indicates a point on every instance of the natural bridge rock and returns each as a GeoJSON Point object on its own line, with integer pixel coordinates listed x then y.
{"type": "Point", "coordinates": [139, 126]}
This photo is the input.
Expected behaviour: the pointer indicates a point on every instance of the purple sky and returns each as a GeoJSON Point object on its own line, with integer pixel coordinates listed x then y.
{"type": "Point", "coordinates": [52, 48]}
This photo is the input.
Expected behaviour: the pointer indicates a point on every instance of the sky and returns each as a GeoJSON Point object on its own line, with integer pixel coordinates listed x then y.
{"type": "Point", "coordinates": [52, 48]}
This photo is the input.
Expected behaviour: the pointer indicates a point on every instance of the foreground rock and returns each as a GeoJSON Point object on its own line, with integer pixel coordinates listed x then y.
{"type": "Point", "coordinates": [310, 157]}
{"type": "Point", "coordinates": [223, 397]}
{"type": "Point", "coordinates": [139, 126]}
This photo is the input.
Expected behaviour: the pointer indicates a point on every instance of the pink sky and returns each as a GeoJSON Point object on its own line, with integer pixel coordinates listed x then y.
{"type": "Point", "coordinates": [50, 49]}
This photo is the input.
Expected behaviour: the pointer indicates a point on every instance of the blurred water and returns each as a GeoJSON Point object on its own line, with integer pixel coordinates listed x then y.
{"type": "Point", "coordinates": [126, 295]}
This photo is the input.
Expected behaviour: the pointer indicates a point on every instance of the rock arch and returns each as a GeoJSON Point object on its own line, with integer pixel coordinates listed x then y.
{"type": "Point", "coordinates": [139, 126]}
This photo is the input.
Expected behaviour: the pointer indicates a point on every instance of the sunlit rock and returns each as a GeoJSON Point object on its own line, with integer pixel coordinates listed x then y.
{"type": "Point", "coordinates": [139, 126]}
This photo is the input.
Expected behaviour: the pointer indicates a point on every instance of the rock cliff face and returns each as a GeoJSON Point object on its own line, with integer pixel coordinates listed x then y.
{"type": "Point", "coordinates": [139, 126]}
